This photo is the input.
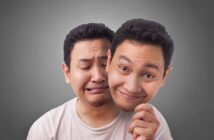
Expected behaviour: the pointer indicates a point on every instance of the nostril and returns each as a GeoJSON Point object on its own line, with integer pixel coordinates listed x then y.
{"type": "Point", "coordinates": [98, 78]}
{"type": "Point", "coordinates": [98, 75]}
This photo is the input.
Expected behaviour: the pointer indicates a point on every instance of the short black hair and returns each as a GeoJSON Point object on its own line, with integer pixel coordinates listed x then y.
{"type": "Point", "coordinates": [84, 32]}
{"type": "Point", "coordinates": [147, 32]}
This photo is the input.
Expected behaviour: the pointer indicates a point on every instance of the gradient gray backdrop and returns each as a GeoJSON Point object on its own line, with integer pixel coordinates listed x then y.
{"type": "Point", "coordinates": [32, 35]}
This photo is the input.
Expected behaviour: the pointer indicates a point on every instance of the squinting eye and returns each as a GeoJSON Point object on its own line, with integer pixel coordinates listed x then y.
{"type": "Point", "coordinates": [103, 65]}
{"type": "Point", "coordinates": [85, 68]}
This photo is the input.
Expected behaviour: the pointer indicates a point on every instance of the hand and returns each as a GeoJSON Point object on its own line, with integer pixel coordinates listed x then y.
{"type": "Point", "coordinates": [144, 123]}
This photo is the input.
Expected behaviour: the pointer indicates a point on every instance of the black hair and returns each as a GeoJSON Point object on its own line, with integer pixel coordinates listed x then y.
{"type": "Point", "coordinates": [147, 32]}
{"type": "Point", "coordinates": [84, 32]}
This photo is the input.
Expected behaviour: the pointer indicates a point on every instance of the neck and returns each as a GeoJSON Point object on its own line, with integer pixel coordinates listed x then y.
{"type": "Point", "coordinates": [97, 116]}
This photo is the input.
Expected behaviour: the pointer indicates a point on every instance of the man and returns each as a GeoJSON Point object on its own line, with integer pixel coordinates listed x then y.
{"type": "Point", "coordinates": [140, 56]}
{"type": "Point", "coordinates": [92, 114]}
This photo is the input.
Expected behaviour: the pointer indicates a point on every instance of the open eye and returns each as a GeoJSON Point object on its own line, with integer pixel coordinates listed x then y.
{"type": "Point", "coordinates": [123, 68]}
{"type": "Point", "coordinates": [148, 76]}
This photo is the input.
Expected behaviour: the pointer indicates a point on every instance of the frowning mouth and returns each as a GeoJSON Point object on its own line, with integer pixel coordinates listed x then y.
{"type": "Point", "coordinates": [96, 90]}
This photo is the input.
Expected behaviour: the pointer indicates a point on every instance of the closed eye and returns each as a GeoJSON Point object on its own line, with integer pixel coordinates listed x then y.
{"type": "Point", "coordinates": [85, 68]}
{"type": "Point", "coordinates": [103, 65]}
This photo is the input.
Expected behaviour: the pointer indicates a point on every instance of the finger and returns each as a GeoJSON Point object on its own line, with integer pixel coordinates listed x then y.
{"type": "Point", "coordinates": [143, 125]}
{"type": "Point", "coordinates": [140, 138]}
{"type": "Point", "coordinates": [144, 132]}
{"type": "Point", "coordinates": [134, 136]}
{"type": "Point", "coordinates": [145, 107]}
{"type": "Point", "coordinates": [139, 123]}
{"type": "Point", "coordinates": [144, 115]}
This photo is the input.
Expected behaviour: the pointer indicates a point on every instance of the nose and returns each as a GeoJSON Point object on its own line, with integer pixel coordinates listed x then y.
{"type": "Point", "coordinates": [99, 75]}
{"type": "Point", "coordinates": [132, 84]}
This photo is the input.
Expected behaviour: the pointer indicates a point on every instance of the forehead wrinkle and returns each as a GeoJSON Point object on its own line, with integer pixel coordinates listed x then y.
{"type": "Point", "coordinates": [92, 53]}
{"type": "Point", "coordinates": [91, 58]}
{"type": "Point", "coordinates": [93, 46]}
{"type": "Point", "coordinates": [147, 60]}
{"type": "Point", "coordinates": [87, 59]}
{"type": "Point", "coordinates": [142, 52]}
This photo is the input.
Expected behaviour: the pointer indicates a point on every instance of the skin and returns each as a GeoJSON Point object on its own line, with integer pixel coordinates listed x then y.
{"type": "Point", "coordinates": [136, 73]}
{"type": "Point", "coordinates": [88, 79]}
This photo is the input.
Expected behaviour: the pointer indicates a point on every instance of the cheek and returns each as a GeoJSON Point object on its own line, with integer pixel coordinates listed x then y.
{"type": "Point", "coordinates": [151, 89]}
{"type": "Point", "coordinates": [79, 79]}
{"type": "Point", "coordinates": [114, 79]}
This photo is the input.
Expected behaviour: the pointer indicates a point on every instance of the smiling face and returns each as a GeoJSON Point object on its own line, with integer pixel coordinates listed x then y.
{"type": "Point", "coordinates": [87, 75]}
{"type": "Point", "coordinates": [136, 73]}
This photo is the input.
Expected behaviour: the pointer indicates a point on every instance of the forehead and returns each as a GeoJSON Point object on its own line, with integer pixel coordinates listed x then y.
{"type": "Point", "coordinates": [139, 53]}
{"type": "Point", "coordinates": [90, 48]}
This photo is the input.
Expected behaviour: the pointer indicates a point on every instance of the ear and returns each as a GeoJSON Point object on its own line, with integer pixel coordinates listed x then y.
{"type": "Point", "coordinates": [66, 73]}
{"type": "Point", "coordinates": [108, 60]}
{"type": "Point", "coordinates": [169, 69]}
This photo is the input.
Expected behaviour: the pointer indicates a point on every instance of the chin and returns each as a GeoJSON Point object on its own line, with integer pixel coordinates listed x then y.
{"type": "Point", "coordinates": [101, 101]}
{"type": "Point", "coordinates": [126, 107]}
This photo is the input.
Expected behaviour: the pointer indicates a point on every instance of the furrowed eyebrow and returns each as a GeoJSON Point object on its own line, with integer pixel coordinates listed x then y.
{"type": "Point", "coordinates": [84, 60]}
{"type": "Point", "coordinates": [90, 59]}
{"type": "Point", "coordinates": [102, 57]}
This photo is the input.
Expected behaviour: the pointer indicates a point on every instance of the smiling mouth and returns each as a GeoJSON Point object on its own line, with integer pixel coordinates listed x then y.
{"type": "Point", "coordinates": [128, 96]}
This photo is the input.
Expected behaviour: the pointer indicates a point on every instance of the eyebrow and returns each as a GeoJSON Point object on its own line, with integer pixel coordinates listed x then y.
{"type": "Point", "coordinates": [148, 65]}
{"type": "Point", "coordinates": [125, 58]}
{"type": "Point", "coordinates": [84, 60]}
{"type": "Point", "coordinates": [89, 59]}
{"type": "Point", "coordinates": [103, 57]}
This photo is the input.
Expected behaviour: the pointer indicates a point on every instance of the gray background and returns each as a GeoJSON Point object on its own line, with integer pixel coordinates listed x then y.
{"type": "Point", "coordinates": [32, 35]}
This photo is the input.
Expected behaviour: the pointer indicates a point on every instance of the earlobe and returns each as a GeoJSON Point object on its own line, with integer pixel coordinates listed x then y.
{"type": "Point", "coordinates": [108, 60]}
{"type": "Point", "coordinates": [66, 73]}
{"type": "Point", "coordinates": [169, 69]}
